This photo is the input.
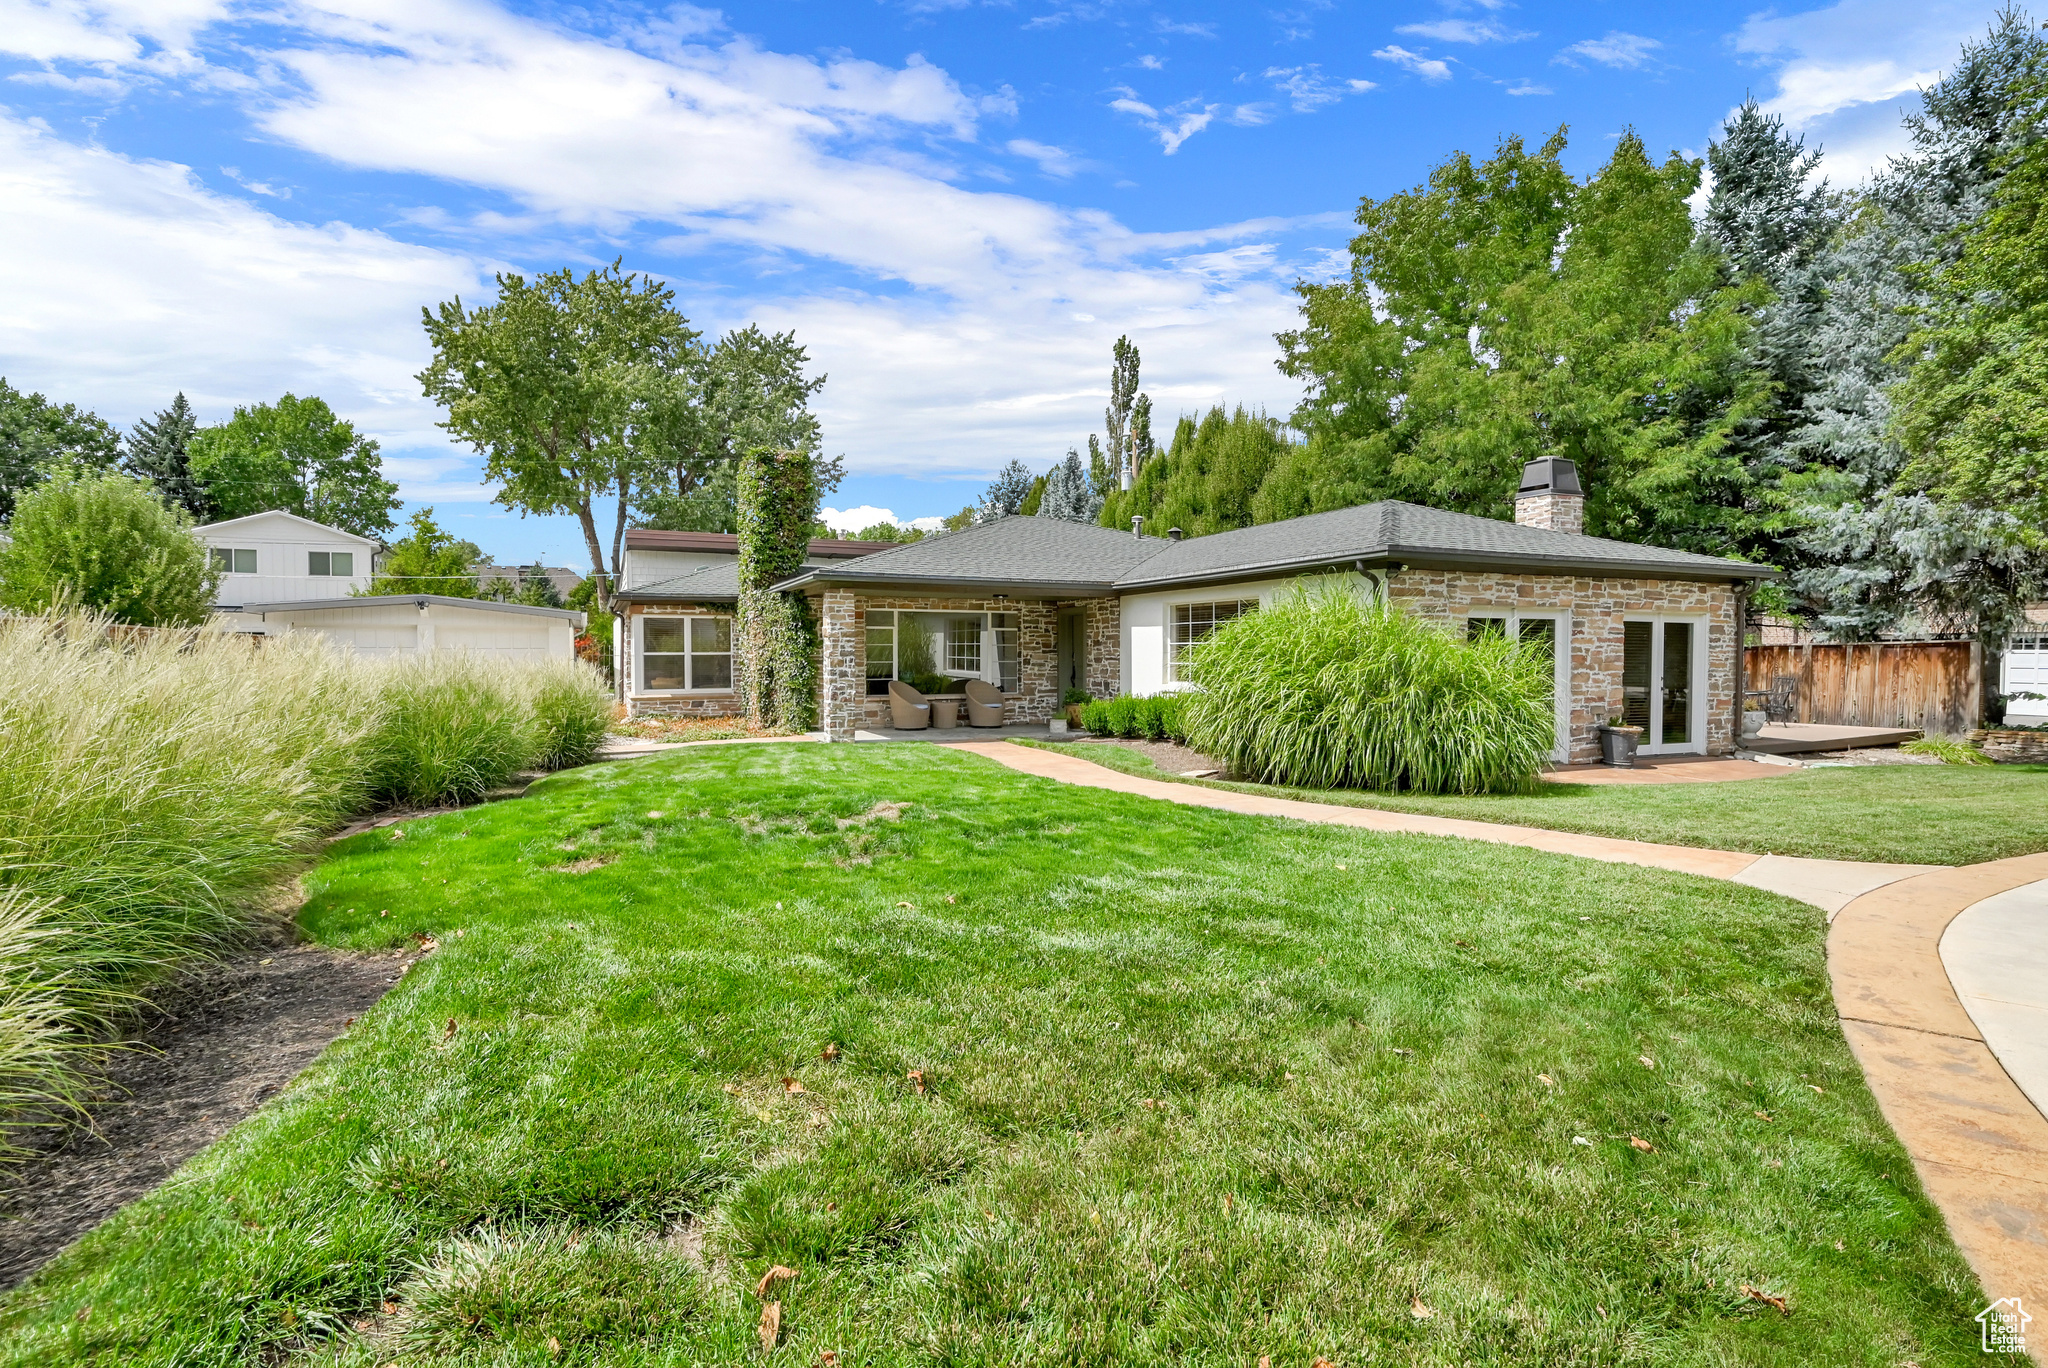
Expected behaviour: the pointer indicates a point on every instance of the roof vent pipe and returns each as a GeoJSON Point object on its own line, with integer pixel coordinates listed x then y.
{"type": "Point", "coordinates": [1174, 534]}
{"type": "Point", "coordinates": [1137, 521]}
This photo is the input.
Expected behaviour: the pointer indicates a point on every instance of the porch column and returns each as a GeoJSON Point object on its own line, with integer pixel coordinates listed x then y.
{"type": "Point", "coordinates": [843, 664]}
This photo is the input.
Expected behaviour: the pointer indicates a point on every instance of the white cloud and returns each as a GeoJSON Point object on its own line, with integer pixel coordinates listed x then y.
{"type": "Point", "coordinates": [127, 281]}
{"type": "Point", "coordinates": [1184, 30]}
{"type": "Point", "coordinates": [1616, 49]}
{"type": "Point", "coordinates": [1429, 68]}
{"type": "Point", "coordinates": [1527, 87]}
{"type": "Point", "coordinates": [1846, 72]}
{"type": "Point", "coordinates": [1308, 90]}
{"type": "Point", "coordinates": [1172, 125]}
{"type": "Point", "coordinates": [1465, 31]}
{"type": "Point", "coordinates": [946, 319]}
{"type": "Point", "coordinates": [1151, 62]}
{"type": "Point", "coordinates": [155, 34]}
{"type": "Point", "coordinates": [847, 521]}
{"type": "Point", "coordinates": [1053, 161]}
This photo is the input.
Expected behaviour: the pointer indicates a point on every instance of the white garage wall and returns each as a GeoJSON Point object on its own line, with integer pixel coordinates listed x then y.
{"type": "Point", "coordinates": [402, 629]}
{"type": "Point", "coordinates": [1145, 619]}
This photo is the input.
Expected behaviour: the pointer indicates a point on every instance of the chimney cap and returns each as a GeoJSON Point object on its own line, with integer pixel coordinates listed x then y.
{"type": "Point", "coordinates": [1550, 475]}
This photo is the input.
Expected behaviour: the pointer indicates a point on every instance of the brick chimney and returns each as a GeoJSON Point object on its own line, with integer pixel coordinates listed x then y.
{"type": "Point", "coordinates": [1550, 496]}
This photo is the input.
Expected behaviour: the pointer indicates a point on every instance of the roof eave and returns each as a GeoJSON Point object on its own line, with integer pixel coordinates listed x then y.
{"type": "Point", "coordinates": [956, 586]}
{"type": "Point", "coordinates": [1436, 558]}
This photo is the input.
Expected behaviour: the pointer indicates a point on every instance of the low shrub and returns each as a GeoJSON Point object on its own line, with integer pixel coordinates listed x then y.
{"type": "Point", "coordinates": [1947, 750]}
{"type": "Point", "coordinates": [1326, 689]}
{"type": "Point", "coordinates": [1074, 696]}
{"type": "Point", "coordinates": [1157, 718]}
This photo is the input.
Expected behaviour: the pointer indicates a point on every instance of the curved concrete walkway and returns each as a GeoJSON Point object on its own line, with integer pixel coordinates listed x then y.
{"type": "Point", "coordinates": [1979, 1145]}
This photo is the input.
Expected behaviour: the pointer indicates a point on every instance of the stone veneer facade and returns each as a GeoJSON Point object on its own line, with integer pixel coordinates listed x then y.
{"type": "Point", "coordinates": [844, 704]}
{"type": "Point", "coordinates": [1598, 607]}
{"type": "Point", "coordinates": [725, 704]}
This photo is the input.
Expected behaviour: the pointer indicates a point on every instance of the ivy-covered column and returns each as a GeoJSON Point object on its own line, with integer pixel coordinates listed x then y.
{"type": "Point", "coordinates": [843, 664]}
{"type": "Point", "coordinates": [776, 672]}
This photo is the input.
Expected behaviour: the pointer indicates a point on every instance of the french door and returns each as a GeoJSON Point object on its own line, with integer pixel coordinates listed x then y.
{"type": "Point", "coordinates": [1549, 633]}
{"type": "Point", "coordinates": [1663, 682]}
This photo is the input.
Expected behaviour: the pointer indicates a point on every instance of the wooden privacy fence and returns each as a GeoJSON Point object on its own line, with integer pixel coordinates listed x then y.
{"type": "Point", "coordinates": [1936, 686]}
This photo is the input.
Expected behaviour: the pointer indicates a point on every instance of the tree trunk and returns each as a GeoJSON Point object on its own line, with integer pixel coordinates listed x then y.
{"type": "Point", "coordinates": [596, 549]}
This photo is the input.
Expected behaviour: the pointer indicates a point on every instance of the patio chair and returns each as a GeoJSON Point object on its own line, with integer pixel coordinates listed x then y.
{"type": "Point", "coordinates": [1781, 704]}
{"type": "Point", "coordinates": [908, 710]}
{"type": "Point", "coordinates": [984, 704]}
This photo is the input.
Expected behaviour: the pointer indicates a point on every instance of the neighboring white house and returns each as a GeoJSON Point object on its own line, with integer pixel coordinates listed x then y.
{"type": "Point", "coordinates": [275, 556]}
{"type": "Point", "coordinates": [401, 624]}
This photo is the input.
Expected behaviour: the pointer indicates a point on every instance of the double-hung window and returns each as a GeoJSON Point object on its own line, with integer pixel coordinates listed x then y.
{"type": "Point", "coordinates": [330, 562]}
{"type": "Point", "coordinates": [685, 654]}
{"type": "Point", "coordinates": [240, 560]}
{"type": "Point", "coordinates": [1195, 623]}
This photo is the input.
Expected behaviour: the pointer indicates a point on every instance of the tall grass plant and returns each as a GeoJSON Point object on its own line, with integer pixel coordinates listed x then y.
{"type": "Point", "coordinates": [1328, 689]}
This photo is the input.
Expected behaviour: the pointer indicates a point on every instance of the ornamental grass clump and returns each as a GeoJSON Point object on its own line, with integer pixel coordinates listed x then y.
{"type": "Point", "coordinates": [1326, 689]}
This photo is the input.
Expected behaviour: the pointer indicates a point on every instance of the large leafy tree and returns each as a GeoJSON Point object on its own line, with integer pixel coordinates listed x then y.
{"type": "Point", "coordinates": [1209, 478]}
{"type": "Point", "coordinates": [750, 393]}
{"type": "Point", "coordinates": [574, 390]}
{"type": "Point", "coordinates": [1883, 549]}
{"type": "Point", "coordinates": [37, 436]}
{"type": "Point", "coordinates": [429, 560]}
{"type": "Point", "coordinates": [102, 540]}
{"type": "Point", "coordinates": [160, 451]}
{"type": "Point", "coordinates": [294, 455]}
{"type": "Point", "coordinates": [1505, 311]}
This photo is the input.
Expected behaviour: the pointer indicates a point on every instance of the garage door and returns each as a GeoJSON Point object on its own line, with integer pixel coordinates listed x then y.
{"type": "Point", "coordinates": [513, 641]}
{"type": "Point", "coordinates": [2025, 668]}
{"type": "Point", "coordinates": [370, 641]}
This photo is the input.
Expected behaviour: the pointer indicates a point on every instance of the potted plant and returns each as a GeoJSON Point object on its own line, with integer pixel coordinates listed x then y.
{"type": "Point", "coordinates": [1618, 742]}
{"type": "Point", "coordinates": [1073, 701]}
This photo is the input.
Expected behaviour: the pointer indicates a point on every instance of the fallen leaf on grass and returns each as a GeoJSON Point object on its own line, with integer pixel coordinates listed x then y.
{"type": "Point", "coordinates": [1265, 1361]}
{"type": "Point", "coordinates": [1546, 1080]}
{"type": "Point", "coordinates": [1637, 1142]}
{"type": "Point", "coordinates": [398, 833]}
{"type": "Point", "coordinates": [916, 1077]}
{"type": "Point", "coordinates": [951, 899]}
{"type": "Point", "coordinates": [828, 1359]}
{"type": "Point", "coordinates": [1417, 1309]}
{"type": "Point", "coordinates": [829, 1053]}
{"type": "Point", "coordinates": [84, 1312]}
{"type": "Point", "coordinates": [790, 1087]}
{"type": "Point", "coordinates": [1322, 1362]}
{"type": "Point", "coordinates": [912, 908]}
{"type": "Point", "coordinates": [1582, 1140]}
{"type": "Point", "coordinates": [1758, 1294]}
{"type": "Point", "coordinates": [428, 945]}
{"type": "Point", "coordinates": [1816, 1087]}
{"type": "Point", "coordinates": [1763, 1116]}
{"type": "Point", "coordinates": [1466, 944]}
{"type": "Point", "coordinates": [1601, 1309]}
{"type": "Point", "coordinates": [778, 1273]}
{"type": "Point", "coordinates": [385, 912]}
{"type": "Point", "coordinates": [771, 1326]}
{"type": "Point", "coordinates": [554, 1347]}
{"type": "Point", "coordinates": [448, 1034]}
{"type": "Point", "coordinates": [389, 1308]}
{"type": "Point", "coordinates": [1646, 1061]}
{"type": "Point", "coordinates": [1399, 1051]}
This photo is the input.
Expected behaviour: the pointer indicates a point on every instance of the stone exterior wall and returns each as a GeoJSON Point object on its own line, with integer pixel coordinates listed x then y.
{"type": "Point", "coordinates": [844, 704]}
{"type": "Point", "coordinates": [725, 704]}
{"type": "Point", "coordinates": [1597, 607]}
{"type": "Point", "coordinates": [1102, 648]}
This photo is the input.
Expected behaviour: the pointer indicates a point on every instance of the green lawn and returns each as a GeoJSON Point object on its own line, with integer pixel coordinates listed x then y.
{"type": "Point", "coordinates": [1908, 814]}
{"type": "Point", "coordinates": [1197, 1088]}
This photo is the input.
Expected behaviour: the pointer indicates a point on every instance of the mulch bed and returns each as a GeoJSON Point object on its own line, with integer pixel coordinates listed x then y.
{"type": "Point", "coordinates": [1168, 755]}
{"type": "Point", "coordinates": [208, 1052]}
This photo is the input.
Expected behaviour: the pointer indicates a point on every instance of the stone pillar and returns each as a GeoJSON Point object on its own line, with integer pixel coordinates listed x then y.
{"type": "Point", "coordinates": [1104, 647]}
{"type": "Point", "coordinates": [842, 660]}
{"type": "Point", "coordinates": [1037, 662]}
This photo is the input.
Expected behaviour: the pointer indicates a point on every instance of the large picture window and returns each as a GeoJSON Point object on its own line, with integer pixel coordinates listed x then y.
{"type": "Point", "coordinates": [1194, 623]}
{"type": "Point", "coordinates": [943, 650]}
{"type": "Point", "coordinates": [330, 562]}
{"type": "Point", "coordinates": [685, 654]}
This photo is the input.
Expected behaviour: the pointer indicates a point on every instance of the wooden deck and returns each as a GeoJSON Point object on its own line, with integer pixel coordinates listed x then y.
{"type": "Point", "coordinates": [1799, 738]}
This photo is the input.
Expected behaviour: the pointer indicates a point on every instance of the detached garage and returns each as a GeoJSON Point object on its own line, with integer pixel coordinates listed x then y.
{"type": "Point", "coordinates": [401, 624]}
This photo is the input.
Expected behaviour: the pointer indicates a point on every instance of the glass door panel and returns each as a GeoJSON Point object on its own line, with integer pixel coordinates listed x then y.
{"type": "Point", "coordinates": [1676, 728]}
{"type": "Point", "coordinates": [1637, 648]}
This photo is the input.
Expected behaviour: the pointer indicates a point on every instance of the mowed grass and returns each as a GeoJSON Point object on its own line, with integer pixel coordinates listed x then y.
{"type": "Point", "coordinates": [1195, 1088]}
{"type": "Point", "coordinates": [1891, 814]}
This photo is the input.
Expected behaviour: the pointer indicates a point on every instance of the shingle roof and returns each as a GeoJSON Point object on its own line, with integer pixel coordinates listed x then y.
{"type": "Point", "coordinates": [1049, 555]}
{"type": "Point", "coordinates": [706, 584]}
{"type": "Point", "coordinates": [1403, 531]}
{"type": "Point", "coordinates": [1012, 552]}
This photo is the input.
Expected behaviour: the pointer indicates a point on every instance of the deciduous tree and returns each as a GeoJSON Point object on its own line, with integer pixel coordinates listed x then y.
{"type": "Point", "coordinates": [102, 540]}
{"type": "Point", "coordinates": [37, 436]}
{"type": "Point", "coordinates": [295, 455]}
{"type": "Point", "coordinates": [430, 560]}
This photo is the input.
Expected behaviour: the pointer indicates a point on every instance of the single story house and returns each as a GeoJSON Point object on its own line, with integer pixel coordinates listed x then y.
{"type": "Point", "coordinates": [1039, 606]}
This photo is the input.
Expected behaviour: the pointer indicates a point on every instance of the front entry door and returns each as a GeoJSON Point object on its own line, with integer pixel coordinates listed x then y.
{"type": "Point", "coordinates": [1073, 663]}
{"type": "Point", "coordinates": [1662, 669]}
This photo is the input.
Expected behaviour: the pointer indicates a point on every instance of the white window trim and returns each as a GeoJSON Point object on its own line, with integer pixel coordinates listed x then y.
{"type": "Point", "coordinates": [1696, 724]}
{"type": "Point", "coordinates": [229, 553]}
{"type": "Point", "coordinates": [1561, 664]}
{"type": "Point", "coordinates": [640, 655]}
{"type": "Point", "coordinates": [990, 644]}
{"type": "Point", "coordinates": [1168, 680]}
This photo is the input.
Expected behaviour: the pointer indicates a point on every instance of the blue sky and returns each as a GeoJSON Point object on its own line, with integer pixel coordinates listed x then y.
{"type": "Point", "coordinates": [958, 206]}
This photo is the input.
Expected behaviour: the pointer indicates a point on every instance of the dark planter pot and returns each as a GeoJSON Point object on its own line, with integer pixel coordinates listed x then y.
{"type": "Point", "coordinates": [1618, 746]}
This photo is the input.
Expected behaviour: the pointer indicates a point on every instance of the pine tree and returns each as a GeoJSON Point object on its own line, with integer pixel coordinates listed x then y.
{"type": "Point", "coordinates": [1006, 493]}
{"type": "Point", "coordinates": [1882, 556]}
{"type": "Point", "coordinates": [158, 450]}
{"type": "Point", "coordinates": [1069, 494]}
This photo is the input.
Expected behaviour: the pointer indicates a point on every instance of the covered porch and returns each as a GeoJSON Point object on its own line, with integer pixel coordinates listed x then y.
{"type": "Point", "coordinates": [1031, 649]}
